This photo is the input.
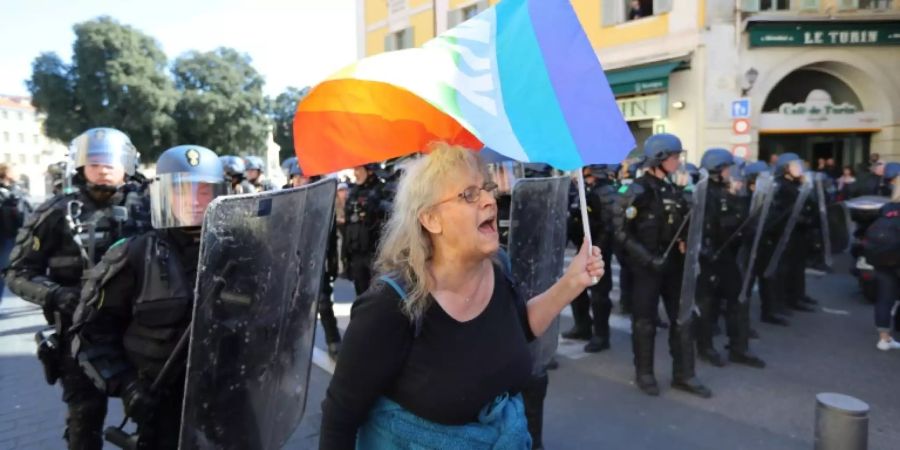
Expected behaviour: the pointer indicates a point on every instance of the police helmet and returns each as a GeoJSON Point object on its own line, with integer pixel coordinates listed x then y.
{"type": "Point", "coordinates": [659, 147]}
{"type": "Point", "coordinates": [755, 168]}
{"type": "Point", "coordinates": [891, 170]}
{"type": "Point", "coordinates": [716, 159]}
{"type": "Point", "coordinates": [606, 171]}
{"type": "Point", "coordinates": [188, 178]}
{"type": "Point", "coordinates": [291, 167]}
{"type": "Point", "coordinates": [781, 164]}
{"type": "Point", "coordinates": [254, 163]}
{"type": "Point", "coordinates": [233, 165]}
{"type": "Point", "coordinates": [106, 146]}
{"type": "Point", "coordinates": [537, 170]}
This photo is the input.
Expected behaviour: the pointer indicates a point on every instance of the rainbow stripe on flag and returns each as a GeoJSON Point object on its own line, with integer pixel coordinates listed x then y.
{"type": "Point", "coordinates": [520, 78]}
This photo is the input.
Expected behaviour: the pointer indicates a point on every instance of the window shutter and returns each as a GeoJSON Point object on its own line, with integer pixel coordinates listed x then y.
{"type": "Point", "coordinates": [610, 12]}
{"type": "Point", "coordinates": [390, 41]}
{"type": "Point", "coordinates": [848, 4]}
{"type": "Point", "coordinates": [454, 18]}
{"type": "Point", "coordinates": [408, 39]}
{"type": "Point", "coordinates": [661, 6]}
{"type": "Point", "coordinates": [809, 5]}
{"type": "Point", "coordinates": [750, 5]}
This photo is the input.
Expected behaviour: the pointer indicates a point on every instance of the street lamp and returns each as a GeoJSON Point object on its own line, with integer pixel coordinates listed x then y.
{"type": "Point", "coordinates": [749, 80]}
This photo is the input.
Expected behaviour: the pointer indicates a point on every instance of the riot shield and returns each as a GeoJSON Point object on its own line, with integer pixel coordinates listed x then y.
{"type": "Point", "coordinates": [262, 258]}
{"type": "Point", "coordinates": [537, 244]}
{"type": "Point", "coordinates": [822, 203]}
{"type": "Point", "coordinates": [839, 227]}
{"type": "Point", "coordinates": [805, 190]}
{"type": "Point", "coordinates": [692, 253]}
{"type": "Point", "coordinates": [763, 193]}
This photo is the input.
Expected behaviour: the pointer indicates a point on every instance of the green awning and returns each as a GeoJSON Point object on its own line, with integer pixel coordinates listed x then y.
{"type": "Point", "coordinates": [644, 79]}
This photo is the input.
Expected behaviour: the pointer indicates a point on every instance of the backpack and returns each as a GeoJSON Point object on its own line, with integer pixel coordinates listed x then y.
{"type": "Point", "coordinates": [398, 284]}
{"type": "Point", "coordinates": [882, 244]}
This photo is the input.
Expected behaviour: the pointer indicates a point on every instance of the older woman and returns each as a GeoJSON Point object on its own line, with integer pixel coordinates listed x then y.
{"type": "Point", "coordinates": [437, 351]}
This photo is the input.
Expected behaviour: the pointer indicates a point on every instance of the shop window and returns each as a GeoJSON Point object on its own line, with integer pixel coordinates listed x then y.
{"type": "Point", "coordinates": [620, 11]}
{"type": "Point", "coordinates": [399, 40]}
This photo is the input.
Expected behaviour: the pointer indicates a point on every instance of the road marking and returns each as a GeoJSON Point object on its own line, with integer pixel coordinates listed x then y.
{"type": "Point", "coordinates": [839, 312]}
{"type": "Point", "coordinates": [321, 359]}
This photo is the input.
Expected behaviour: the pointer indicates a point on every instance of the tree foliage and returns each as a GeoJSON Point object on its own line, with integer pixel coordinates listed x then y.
{"type": "Point", "coordinates": [283, 109]}
{"type": "Point", "coordinates": [116, 79]}
{"type": "Point", "coordinates": [222, 104]}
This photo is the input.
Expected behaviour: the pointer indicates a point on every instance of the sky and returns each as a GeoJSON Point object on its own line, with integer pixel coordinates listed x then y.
{"type": "Point", "coordinates": [291, 42]}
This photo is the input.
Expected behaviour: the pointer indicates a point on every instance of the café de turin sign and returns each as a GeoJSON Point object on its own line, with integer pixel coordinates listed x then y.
{"type": "Point", "coordinates": [817, 114]}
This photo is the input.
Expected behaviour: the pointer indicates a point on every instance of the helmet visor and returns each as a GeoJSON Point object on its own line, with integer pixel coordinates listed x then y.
{"type": "Point", "coordinates": [104, 148]}
{"type": "Point", "coordinates": [180, 199]}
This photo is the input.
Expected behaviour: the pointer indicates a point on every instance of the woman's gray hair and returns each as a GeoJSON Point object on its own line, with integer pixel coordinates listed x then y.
{"type": "Point", "coordinates": [406, 246]}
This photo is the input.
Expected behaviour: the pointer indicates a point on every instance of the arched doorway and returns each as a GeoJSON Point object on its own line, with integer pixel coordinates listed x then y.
{"type": "Point", "coordinates": [816, 114]}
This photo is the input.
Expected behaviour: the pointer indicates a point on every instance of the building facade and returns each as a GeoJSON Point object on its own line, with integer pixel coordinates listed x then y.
{"type": "Point", "coordinates": [24, 145]}
{"type": "Point", "coordinates": [758, 77]}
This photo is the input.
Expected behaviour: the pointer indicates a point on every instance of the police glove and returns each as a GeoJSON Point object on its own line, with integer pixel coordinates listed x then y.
{"type": "Point", "coordinates": [65, 299]}
{"type": "Point", "coordinates": [657, 263]}
{"type": "Point", "coordinates": [139, 403]}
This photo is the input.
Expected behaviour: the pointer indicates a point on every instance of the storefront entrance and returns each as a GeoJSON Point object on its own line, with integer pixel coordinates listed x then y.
{"type": "Point", "coordinates": [848, 149]}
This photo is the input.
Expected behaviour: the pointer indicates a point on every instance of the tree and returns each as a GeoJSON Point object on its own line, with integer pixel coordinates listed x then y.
{"type": "Point", "coordinates": [283, 110]}
{"type": "Point", "coordinates": [116, 79]}
{"type": "Point", "coordinates": [222, 104]}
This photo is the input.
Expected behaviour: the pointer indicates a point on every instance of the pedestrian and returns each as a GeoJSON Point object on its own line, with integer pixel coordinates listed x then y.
{"type": "Point", "coordinates": [832, 169]}
{"type": "Point", "coordinates": [138, 301]}
{"type": "Point", "coordinates": [65, 235]}
{"type": "Point", "coordinates": [12, 216]}
{"type": "Point", "coordinates": [648, 228]}
{"type": "Point", "coordinates": [720, 278]}
{"type": "Point", "coordinates": [845, 183]}
{"type": "Point", "coordinates": [821, 166]}
{"type": "Point", "coordinates": [365, 213]}
{"type": "Point", "coordinates": [437, 349]}
{"type": "Point", "coordinates": [634, 10]}
{"type": "Point", "coordinates": [871, 182]}
{"type": "Point", "coordinates": [882, 250]}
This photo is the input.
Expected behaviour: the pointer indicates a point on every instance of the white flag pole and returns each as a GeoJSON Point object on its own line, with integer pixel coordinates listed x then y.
{"type": "Point", "coordinates": [582, 197]}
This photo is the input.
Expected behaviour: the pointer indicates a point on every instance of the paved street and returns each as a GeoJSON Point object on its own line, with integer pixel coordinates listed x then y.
{"type": "Point", "coordinates": [592, 402]}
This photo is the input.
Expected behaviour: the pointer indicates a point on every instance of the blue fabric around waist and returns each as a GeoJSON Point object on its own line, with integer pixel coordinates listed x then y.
{"type": "Point", "coordinates": [501, 426]}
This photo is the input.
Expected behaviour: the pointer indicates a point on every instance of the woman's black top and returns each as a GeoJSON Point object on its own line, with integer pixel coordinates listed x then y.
{"type": "Point", "coordinates": [446, 374]}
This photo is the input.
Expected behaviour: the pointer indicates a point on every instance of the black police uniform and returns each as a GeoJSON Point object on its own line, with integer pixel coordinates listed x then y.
{"type": "Point", "coordinates": [46, 268]}
{"type": "Point", "coordinates": [592, 308]}
{"type": "Point", "coordinates": [365, 215]}
{"type": "Point", "coordinates": [656, 212]}
{"type": "Point", "coordinates": [326, 304]}
{"type": "Point", "coordinates": [720, 276]}
{"type": "Point", "coordinates": [882, 250]}
{"type": "Point", "coordinates": [575, 233]}
{"type": "Point", "coordinates": [790, 276]}
{"type": "Point", "coordinates": [136, 305]}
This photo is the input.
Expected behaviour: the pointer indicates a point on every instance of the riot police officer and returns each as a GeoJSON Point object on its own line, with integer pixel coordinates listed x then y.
{"type": "Point", "coordinates": [771, 308]}
{"type": "Point", "coordinates": [882, 250]}
{"type": "Point", "coordinates": [138, 301]}
{"type": "Point", "coordinates": [65, 236]}
{"type": "Point", "coordinates": [790, 273]}
{"type": "Point", "coordinates": [720, 277]}
{"type": "Point", "coordinates": [296, 178]}
{"type": "Point", "coordinates": [365, 212]}
{"type": "Point", "coordinates": [650, 219]}
{"type": "Point", "coordinates": [255, 169]}
{"type": "Point", "coordinates": [591, 309]}
{"type": "Point", "coordinates": [235, 173]}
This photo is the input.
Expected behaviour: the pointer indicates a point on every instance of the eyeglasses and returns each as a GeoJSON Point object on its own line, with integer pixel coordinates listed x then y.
{"type": "Point", "coordinates": [473, 193]}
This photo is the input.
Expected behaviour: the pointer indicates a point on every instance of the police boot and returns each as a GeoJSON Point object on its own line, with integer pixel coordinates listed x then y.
{"type": "Point", "coordinates": [703, 329]}
{"type": "Point", "coordinates": [739, 336]}
{"type": "Point", "coordinates": [582, 316]}
{"type": "Point", "coordinates": [643, 337]}
{"type": "Point", "coordinates": [681, 347]}
{"type": "Point", "coordinates": [774, 320]}
{"type": "Point", "coordinates": [533, 396]}
{"type": "Point", "coordinates": [601, 308]}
